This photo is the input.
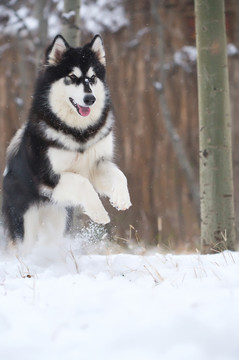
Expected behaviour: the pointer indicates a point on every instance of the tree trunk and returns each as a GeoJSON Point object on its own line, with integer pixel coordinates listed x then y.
{"type": "Point", "coordinates": [216, 182]}
{"type": "Point", "coordinates": [71, 25]}
{"type": "Point", "coordinates": [41, 12]}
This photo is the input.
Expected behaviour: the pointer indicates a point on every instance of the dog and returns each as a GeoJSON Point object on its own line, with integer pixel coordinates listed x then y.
{"type": "Point", "coordinates": [63, 156]}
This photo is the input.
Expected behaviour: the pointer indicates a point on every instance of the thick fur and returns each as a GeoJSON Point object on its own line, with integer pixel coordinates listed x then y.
{"type": "Point", "coordinates": [63, 155]}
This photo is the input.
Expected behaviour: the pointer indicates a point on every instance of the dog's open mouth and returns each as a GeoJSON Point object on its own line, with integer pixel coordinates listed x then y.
{"type": "Point", "coordinates": [82, 110]}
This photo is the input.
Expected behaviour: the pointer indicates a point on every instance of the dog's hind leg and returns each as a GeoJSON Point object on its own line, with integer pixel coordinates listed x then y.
{"type": "Point", "coordinates": [45, 223]}
{"type": "Point", "coordinates": [31, 228]}
{"type": "Point", "coordinates": [52, 221]}
{"type": "Point", "coordinates": [13, 224]}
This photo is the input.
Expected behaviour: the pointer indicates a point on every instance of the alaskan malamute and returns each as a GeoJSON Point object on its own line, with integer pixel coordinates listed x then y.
{"type": "Point", "coordinates": [62, 157]}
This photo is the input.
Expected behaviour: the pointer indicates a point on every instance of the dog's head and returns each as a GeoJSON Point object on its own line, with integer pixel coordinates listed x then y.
{"type": "Point", "coordinates": [77, 91]}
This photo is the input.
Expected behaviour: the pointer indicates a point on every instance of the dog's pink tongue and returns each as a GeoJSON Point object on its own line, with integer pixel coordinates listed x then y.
{"type": "Point", "coordinates": [84, 111]}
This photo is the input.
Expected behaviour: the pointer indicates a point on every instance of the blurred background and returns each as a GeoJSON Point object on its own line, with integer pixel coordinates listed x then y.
{"type": "Point", "coordinates": [151, 71]}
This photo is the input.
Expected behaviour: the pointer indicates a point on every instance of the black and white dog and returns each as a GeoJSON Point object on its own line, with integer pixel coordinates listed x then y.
{"type": "Point", "coordinates": [63, 155]}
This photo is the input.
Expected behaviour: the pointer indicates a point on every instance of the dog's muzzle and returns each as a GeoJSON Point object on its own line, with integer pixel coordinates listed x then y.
{"type": "Point", "coordinates": [89, 100]}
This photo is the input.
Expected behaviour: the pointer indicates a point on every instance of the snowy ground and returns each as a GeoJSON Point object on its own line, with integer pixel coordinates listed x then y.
{"type": "Point", "coordinates": [58, 304]}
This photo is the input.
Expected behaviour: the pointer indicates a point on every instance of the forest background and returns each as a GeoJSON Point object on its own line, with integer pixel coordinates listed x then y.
{"type": "Point", "coordinates": [156, 136]}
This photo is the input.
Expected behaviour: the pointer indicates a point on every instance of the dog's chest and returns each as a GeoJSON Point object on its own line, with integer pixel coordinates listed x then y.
{"type": "Point", "coordinates": [71, 161]}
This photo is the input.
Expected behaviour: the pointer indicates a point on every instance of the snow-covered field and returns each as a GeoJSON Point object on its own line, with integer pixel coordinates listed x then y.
{"type": "Point", "coordinates": [59, 304]}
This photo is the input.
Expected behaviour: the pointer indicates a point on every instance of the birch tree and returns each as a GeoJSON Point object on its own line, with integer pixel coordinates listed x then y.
{"type": "Point", "coordinates": [71, 22]}
{"type": "Point", "coordinates": [41, 7]}
{"type": "Point", "coordinates": [216, 174]}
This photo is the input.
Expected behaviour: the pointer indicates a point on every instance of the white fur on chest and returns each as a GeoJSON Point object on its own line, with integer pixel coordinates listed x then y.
{"type": "Point", "coordinates": [71, 161]}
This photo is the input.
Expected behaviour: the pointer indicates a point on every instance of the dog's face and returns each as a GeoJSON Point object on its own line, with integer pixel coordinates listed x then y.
{"type": "Point", "coordinates": [77, 92]}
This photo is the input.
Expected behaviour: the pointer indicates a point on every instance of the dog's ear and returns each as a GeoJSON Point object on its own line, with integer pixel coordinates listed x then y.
{"type": "Point", "coordinates": [56, 50]}
{"type": "Point", "coordinates": [98, 47]}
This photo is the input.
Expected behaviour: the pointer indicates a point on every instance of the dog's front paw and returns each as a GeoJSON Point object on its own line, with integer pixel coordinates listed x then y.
{"type": "Point", "coordinates": [100, 218]}
{"type": "Point", "coordinates": [120, 199]}
{"type": "Point", "coordinates": [98, 214]}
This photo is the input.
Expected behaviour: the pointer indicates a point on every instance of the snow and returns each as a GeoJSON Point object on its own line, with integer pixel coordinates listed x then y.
{"type": "Point", "coordinates": [69, 15]}
{"type": "Point", "coordinates": [158, 86]}
{"type": "Point", "coordinates": [61, 303]}
{"type": "Point", "coordinates": [16, 21]}
{"type": "Point", "coordinates": [185, 57]}
{"type": "Point", "coordinates": [101, 15]}
{"type": "Point", "coordinates": [96, 17]}
{"type": "Point", "coordinates": [232, 50]}
{"type": "Point", "coordinates": [19, 101]}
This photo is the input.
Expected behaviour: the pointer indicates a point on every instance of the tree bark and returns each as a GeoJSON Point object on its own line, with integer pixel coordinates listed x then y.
{"type": "Point", "coordinates": [71, 24]}
{"type": "Point", "coordinates": [41, 15]}
{"type": "Point", "coordinates": [216, 174]}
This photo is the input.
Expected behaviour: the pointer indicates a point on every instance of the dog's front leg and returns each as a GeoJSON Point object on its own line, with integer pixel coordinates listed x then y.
{"type": "Point", "coordinates": [74, 190]}
{"type": "Point", "coordinates": [109, 180]}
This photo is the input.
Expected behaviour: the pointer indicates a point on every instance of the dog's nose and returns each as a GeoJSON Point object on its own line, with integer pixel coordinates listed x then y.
{"type": "Point", "coordinates": [89, 99]}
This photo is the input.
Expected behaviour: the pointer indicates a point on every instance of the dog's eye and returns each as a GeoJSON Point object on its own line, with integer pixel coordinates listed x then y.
{"type": "Point", "coordinates": [72, 77]}
{"type": "Point", "coordinates": [93, 79]}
